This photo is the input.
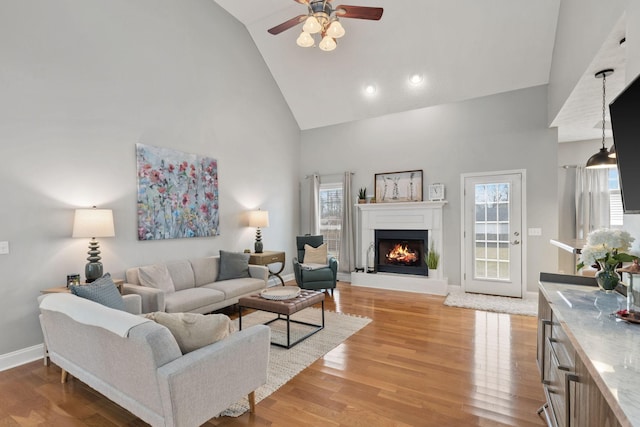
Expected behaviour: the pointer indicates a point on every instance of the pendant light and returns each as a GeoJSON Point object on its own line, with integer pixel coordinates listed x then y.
{"type": "Point", "coordinates": [601, 159]}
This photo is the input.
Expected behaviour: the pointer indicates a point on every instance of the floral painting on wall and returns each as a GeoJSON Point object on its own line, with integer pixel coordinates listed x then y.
{"type": "Point", "coordinates": [177, 194]}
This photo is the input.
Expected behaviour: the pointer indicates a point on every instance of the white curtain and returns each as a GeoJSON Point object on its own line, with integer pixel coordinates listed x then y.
{"type": "Point", "coordinates": [347, 257]}
{"type": "Point", "coordinates": [592, 200]}
{"type": "Point", "coordinates": [314, 204]}
{"type": "Point", "coordinates": [310, 205]}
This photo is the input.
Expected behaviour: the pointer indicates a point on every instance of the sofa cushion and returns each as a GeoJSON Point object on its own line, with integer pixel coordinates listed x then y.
{"type": "Point", "coordinates": [102, 291]}
{"type": "Point", "coordinates": [205, 270]}
{"type": "Point", "coordinates": [192, 330]}
{"type": "Point", "coordinates": [233, 265]}
{"type": "Point", "coordinates": [181, 273]}
{"type": "Point", "coordinates": [192, 299]}
{"type": "Point", "coordinates": [315, 255]}
{"type": "Point", "coordinates": [237, 287]}
{"type": "Point", "coordinates": [156, 276]}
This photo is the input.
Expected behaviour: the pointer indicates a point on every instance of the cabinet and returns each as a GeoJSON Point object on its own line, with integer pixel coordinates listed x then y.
{"type": "Point", "coordinates": [573, 397]}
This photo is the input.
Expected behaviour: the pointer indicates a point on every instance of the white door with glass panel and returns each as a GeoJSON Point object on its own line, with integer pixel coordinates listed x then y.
{"type": "Point", "coordinates": [492, 234]}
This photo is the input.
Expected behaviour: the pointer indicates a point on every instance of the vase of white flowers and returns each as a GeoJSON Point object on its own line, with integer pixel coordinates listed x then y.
{"type": "Point", "coordinates": [608, 248]}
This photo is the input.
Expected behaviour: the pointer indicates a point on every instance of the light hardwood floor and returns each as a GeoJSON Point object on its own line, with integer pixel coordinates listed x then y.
{"type": "Point", "coordinates": [419, 363]}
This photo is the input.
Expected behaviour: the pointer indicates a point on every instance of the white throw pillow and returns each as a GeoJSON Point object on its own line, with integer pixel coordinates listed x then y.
{"type": "Point", "coordinates": [315, 255]}
{"type": "Point", "coordinates": [156, 276]}
{"type": "Point", "coordinates": [193, 330]}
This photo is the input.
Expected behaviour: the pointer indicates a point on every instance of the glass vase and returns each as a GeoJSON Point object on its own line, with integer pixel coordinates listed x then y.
{"type": "Point", "coordinates": [607, 278]}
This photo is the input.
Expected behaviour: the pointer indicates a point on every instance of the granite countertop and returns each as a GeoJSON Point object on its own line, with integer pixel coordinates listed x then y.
{"type": "Point", "coordinates": [609, 347]}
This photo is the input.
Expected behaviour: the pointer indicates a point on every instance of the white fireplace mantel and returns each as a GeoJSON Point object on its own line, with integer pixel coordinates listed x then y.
{"type": "Point", "coordinates": [400, 216]}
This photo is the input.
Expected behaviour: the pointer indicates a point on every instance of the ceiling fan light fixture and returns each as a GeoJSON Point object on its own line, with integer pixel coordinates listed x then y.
{"type": "Point", "coordinates": [327, 44]}
{"type": "Point", "coordinates": [335, 30]}
{"type": "Point", "coordinates": [305, 40]}
{"type": "Point", "coordinates": [311, 25]}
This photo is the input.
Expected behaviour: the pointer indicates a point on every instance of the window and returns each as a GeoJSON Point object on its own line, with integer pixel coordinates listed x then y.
{"type": "Point", "coordinates": [615, 200]}
{"type": "Point", "coordinates": [331, 216]}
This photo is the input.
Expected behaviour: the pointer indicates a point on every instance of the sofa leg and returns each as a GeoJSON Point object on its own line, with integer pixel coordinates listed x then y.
{"type": "Point", "coordinates": [63, 376]}
{"type": "Point", "coordinates": [252, 402]}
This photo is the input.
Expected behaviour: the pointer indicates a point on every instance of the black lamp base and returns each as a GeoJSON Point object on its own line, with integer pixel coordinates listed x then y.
{"type": "Point", "coordinates": [93, 271]}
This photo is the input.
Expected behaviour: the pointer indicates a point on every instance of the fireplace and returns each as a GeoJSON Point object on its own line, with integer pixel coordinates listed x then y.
{"type": "Point", "coordinates": [401, 251]}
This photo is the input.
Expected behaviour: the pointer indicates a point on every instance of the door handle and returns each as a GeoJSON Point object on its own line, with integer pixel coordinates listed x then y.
{"type": "Point", "coordinates": [515, 242]}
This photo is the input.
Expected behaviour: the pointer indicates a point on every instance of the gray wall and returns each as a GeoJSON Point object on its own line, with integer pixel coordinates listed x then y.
{"type": "Point", "coordinates": [501, 132]}
{"type": "Point", "coordinates": [82, 83]}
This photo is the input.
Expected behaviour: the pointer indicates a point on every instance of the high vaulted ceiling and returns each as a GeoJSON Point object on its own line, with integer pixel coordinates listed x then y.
{"type": "Point", "coordinates": [463, 49]}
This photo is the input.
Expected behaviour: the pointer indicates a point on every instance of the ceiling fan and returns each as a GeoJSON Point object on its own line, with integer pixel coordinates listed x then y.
{"type": "Point", "coordinates": [322, 18]}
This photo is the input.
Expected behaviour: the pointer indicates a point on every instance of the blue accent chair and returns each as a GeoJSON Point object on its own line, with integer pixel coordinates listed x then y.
{"type": "Point", "coordinates": [322, 278]}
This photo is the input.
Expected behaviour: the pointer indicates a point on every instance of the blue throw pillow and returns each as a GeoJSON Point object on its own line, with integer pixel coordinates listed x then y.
{"type": "Point", "coordinates": [233, 265]}
{"type": "Point", "coordinates": [102, 291]}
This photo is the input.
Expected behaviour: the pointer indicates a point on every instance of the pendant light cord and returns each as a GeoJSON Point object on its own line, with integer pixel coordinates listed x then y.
{"type": "Point", "coordinates": [604, 101]}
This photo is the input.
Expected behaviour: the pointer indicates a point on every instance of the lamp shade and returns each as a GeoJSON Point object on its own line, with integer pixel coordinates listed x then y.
{"type": "Point", "coordinates": [601, 160]}
{"type": "Point", "coordinates": [259, 218]}
{"type": "Point", "coordinates": [93, 223]}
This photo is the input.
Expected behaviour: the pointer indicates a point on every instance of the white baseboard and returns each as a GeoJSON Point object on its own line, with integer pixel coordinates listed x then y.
{"type": "Point", "coordinates": [20, 357]}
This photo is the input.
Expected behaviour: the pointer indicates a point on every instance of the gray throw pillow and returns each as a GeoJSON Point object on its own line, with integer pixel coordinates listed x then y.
{"type": "Point", "coordinates": [233, 265]}
{"type": "Point", "coordinates": [102, 291]}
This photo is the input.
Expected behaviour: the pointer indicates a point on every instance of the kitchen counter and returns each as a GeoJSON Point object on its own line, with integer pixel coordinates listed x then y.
{"type": "Point", "coordinates": [609, 347]}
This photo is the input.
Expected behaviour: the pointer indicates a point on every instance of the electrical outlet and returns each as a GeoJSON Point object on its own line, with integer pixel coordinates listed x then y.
{"type": "Point", "coordinates": [535, 232]}
{"type": "Point", "coordinates": [4, 248]}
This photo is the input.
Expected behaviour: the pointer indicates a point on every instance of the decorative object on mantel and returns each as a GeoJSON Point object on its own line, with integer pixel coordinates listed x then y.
{"type": "Point", "coordinates": [607, 247]}
{"type": "Point", "coordinates": [394, 187]}
{"type": "Point", "coordinates": [258, 219]}
{"type": "Point", "coordinates": [362, 195]}
{"type": "Point", "coordinates": [436, 192]}
{"type": "Point", "coordinates": [322, 18]}
{"type": "Point", "coordinates": [93, 223]}
{"type": "Point", "coordinates": [177, 194]}
{"type": "Point", "coordinates": [602, 159]}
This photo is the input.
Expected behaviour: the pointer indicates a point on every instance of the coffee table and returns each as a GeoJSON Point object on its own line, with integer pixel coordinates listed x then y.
{"type": "Point", "coordinates": [285, 308]}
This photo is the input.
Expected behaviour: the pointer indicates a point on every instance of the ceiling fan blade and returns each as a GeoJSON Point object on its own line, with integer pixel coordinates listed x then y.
{"type": "Point", "coordinates": [287, 24]}
{"type": "Point", "coordinates": [359, 12]}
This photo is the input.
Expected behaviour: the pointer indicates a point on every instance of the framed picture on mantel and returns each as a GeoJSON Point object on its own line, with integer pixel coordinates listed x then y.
{"type": "Point", "coordinates": [394, 187]}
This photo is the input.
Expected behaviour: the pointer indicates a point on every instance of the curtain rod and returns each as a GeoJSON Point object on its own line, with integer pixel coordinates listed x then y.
{"type": "Point", "coordinates": [569, 166]}
{"type": "Point", "coordinates": [330, 174]}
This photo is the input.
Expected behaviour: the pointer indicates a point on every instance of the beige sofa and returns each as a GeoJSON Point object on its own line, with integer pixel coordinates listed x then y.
{"type": "Point", "coordinates": [137, 363]}
{"type": "Point", "coordinates": [196, 287]}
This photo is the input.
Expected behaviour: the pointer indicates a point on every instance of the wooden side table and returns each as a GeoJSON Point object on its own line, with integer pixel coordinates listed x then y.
{"type": "Point", "coordinates": [59, 289]}
{"type": "Point", "coordinates": [269, 257]}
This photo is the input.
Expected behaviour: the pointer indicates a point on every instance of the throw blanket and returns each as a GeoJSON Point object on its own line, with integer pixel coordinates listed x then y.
{"type": "Point", "coordinates": [91, 313]}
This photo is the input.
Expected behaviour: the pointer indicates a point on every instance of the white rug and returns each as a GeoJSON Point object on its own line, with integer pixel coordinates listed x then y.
{"type": "Point", "coordinates": [285, 364]}
{"type": "Point", "coordinates": [523, 306]}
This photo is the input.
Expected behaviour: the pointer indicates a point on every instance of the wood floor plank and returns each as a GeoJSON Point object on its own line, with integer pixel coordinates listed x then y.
{"type": "Point", "coordinates": [418, 363]}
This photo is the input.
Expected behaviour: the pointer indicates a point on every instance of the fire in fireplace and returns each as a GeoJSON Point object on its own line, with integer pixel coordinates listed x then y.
{"type": "Point", "coordinates": [401, 251]}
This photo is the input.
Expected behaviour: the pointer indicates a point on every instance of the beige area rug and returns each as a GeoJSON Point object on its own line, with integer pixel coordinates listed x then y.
{"type": "Point", "coordinates": [285, 364]}
{"type": "Point", "coordinates": [523, 306]}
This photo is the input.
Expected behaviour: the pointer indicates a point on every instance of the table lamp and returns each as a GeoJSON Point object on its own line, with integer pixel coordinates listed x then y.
{"type": "Point", "coordinates": [93, 223]}
{"type": "Point", "coordinates": [258, 219]}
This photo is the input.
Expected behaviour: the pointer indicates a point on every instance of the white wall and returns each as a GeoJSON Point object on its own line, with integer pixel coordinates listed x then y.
{"type": "Point", "coordinates": [583, 26]}
{"type": "Point", "coordinates": [500, 132]}
{"type": "Point", "coordinates": [82, 83]}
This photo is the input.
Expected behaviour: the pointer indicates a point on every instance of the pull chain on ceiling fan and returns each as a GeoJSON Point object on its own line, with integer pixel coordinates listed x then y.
{"type": "Point", "coordinates": [322, 18]}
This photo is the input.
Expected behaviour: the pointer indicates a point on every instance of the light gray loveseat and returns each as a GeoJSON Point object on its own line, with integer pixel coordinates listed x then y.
{"type": "Point", "coordinates": [194, 286]}
{"type": "Point", "coordinates": [137, 363]}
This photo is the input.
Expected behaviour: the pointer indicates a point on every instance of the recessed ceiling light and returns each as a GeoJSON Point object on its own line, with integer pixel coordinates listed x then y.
{"type": "Point", "coordinates": [370, 89]}
{"type": "Point", "coordinates": [416, 79]}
